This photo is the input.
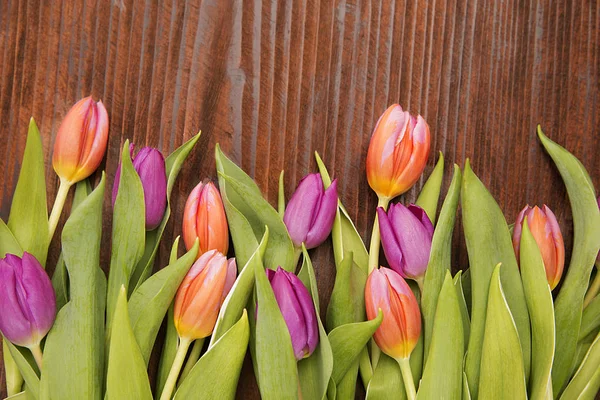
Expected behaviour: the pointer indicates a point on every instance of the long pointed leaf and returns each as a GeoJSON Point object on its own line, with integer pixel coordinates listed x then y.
{"type": "Point", "coordinates": [586, 242]}
{"type": "Point", "coordinates": [387, 381]}
{"type": "Point", "coordinates": [586, 381]}
{"type": "Point", "coordinates": [430, 194]}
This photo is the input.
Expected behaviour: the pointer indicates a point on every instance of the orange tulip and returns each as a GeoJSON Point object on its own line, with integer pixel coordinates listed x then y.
{"type": "Point", "coordinates": [400, 329]}
{"type": "Point", "coordinates": [204, 218]}
{"type": "Point", "coordinates": [201, 295]}
{"type": "Point", "coordinates": [546, 232]}
{"type": "Point", "coordinates": [81, 141]}
{"type": "Point", "coordinates": [398, 152]}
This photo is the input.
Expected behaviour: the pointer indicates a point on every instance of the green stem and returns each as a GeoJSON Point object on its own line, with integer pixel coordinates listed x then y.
{"type": "Point", "coordinates": [36, 350]}
{"type": "Point", "coordinates": [192, 359]}
{"type": "Point", "coordinates": [376, 237]}
{"type": "Point", "coordinates": [407, 377]}
{"type": "Point", "coordinates": [184, 345]}
{"type": "Point", "coordinates": [59, 203]}
{"type": "Point", "coordinates": [594, 288]}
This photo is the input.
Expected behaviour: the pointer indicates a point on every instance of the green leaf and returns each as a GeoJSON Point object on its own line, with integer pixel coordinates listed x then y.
{"type": "Point", "coordinates": [347, 342]}
{"type": "Point", "coordinates": [24, 395]}
{"type": "Point", "coordinates": [464, 312]}
{"type": "Point", "coordinates": [276, 364]}
{"type": "Point", "coordinates": [489, 243]}
{"type": "Point", "coordinates": [28, 218]}
{"type": "Point", "coordinates": [586, 223]}
{"type": "Point", "coordinates": [173, 164]}
{"type": "Point", "coordinates": [235, 302]}
{"type": "Point", "coordinates": [8, 243]}
{"type": "Point", "coordinates": [501, 350]}
{"type": "Point", "coordinates": [314, 372]}
{"type": "Point", "coordinates": [150, 302]}
{"type": "Point", "coordinates": [586, 381]}
{"type": "Point", "coordinates": [440, 258]}
{"type": "Point", "coordinates": [591, 318]}
{"type": "Point", "coordinates": [541, 312]}
{"type": "Point", "coordinates": [74, 350]}
{"type": "Point", "coordinates": [344, 235]}
{"type": "Point", "coordinates": [466, 394]}
{"type": "Point", "coordinates": [14, 379]}
{"type": "Point", "coordinates": [281, 196]}
{"type": "Point", "coordinates": [443, 373]}
{"type": "Point", "coordinates": [386, 381]}
{"type": "Point", "coordinates": [346, 387]}
{"type": "Point", "coordinates": [219, 368]}
{"type": "Point", "coordinates": [126, 376]}
{"type": "Point", "coordinates": [60, 277]}
{"type": "Point", "coordinates": [244, 195]}
{"type": "Point", "coordinates": [24, 361]}
{"type": "Point", "coordinates": [347, 302]}
{"type": "Point", "coordinates": [430, 194]}
{"type": "Point", "coordinates": [128, 234]}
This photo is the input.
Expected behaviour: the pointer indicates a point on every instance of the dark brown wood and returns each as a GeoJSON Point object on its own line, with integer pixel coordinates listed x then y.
{"type": "Point", "coordinates": [274, 81]}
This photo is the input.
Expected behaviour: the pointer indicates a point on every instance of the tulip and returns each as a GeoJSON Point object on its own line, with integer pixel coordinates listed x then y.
{"type": "Point", "coordinates": [27, 302]}
{"type": "Point", "coordinates": [204, 218]}
{"type": "Point", "coordinates": [298, 311]}
{"type": "Point", "coordinates": [397, 153]}
{"type": "Point", "coordinates": [310, 213]}
{"type": "Point", "coordinates": [400, 329]}
{"type": "Point", "coordinates": [547, 235]}
{"type": "Point", "coordinates": [197, 304]}
{"type": "Point", "coordinates": [406, 234]}
{"type": "Point", "coordinates": [150, 166]}
{"type": "Point", "coordinates": [78, 150]}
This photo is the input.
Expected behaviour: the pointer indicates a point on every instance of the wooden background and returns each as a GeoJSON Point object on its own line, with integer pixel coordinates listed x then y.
{"type": "Point", "coordinates": [273, 81]}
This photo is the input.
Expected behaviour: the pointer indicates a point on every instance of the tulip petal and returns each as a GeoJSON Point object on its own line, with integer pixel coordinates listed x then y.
{"type": "Point", "coordinates": [423, 217]}
{"type": "Point", "coordinates": [323, 220]}
{"type": "Point", "coordinates": [39, 294]}
{"type": "Point", "coordinates": [414, 241]}
{"type": "Point", "coordinates": [393, 254]}
{"type": "Point", "coordinates": [302, 208]}
{"type": "Point", "coordinates": [13, 321]}
{"type": "Point", "coordinates": [517, 230]}
{"type": "Point", "coordinates": [308, 311]}
{"type": "Point", "coordinates": [230, 278]}
{"type": "Point", "coordinates": [150, 166]}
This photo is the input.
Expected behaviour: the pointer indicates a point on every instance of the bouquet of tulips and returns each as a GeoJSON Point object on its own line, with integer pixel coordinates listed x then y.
{"type": "Point", "coordinates": [411, 330]}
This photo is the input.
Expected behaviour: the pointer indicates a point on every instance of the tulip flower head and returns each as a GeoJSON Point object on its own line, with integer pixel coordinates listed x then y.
{"type": "Point", "coordinates": [201, 294]}
{"type": "Point", "coordinates": [406, 235]}
{"type": "Point", "coordinates": [81, 141]}
{"type": "Point", "coordinates": [204, 218]}
{"type": "Point", "coordinates": [149, 164]}
{"type": "Point", "coordinates": [27, 300]}
{"type": "Point", "coordinates": [310, 213]}
{"type": "Point", "coordinates": [298, 311]}
{"type": "Point", "coordinates": [400, 329]}
{"type": "Point", "coordinates": [546, 232]}
{"type": "Point", "coordinates": [397, 153]}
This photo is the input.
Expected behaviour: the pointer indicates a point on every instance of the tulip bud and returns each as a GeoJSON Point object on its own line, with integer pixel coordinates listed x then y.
{"type": "Point", "coordinates": [81, 141]}
{"type": "Point", "coordinates": [406, 234]}
{"type": "Point", "coordinates": [150, 166]}
{"type": "Point", "coordinates": [27, 300]}
{"type": "Point", "coordinates": [202, 293]}
{"type": "Point", "coordinates": [547, 235]}
{"type": "Point", "coordinates": [298, 311]}
{"type": "Point", "coordinates": [400, 329]}
{"type": "Point", "coordinates": [204, 218]}
{"type": "Point", "coordinates": [398, 152]}
{"type": "Point", "coordinates": [310, 213]}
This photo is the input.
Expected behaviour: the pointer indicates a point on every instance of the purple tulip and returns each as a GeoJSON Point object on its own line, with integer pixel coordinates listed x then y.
{"type": "Point", "coordinates": [149, 163]}
{"type": "Point", "coordinates": [27, 300]}
{"type": "Point", "coordinates": [406, 234]}
{"type": "Point", "coordinates": [297, 309]}
{"type": "Point", "coordinates": [310, 213]}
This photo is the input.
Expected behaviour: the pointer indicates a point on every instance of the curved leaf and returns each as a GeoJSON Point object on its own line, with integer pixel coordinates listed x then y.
{"type": "Point", "coordinates": [443, 373]}
{"type": "Point", "coordinates": [586, 242]}
{"type": "Point", "coordinates": [347, 302]}
{"type": "Point", "coordinates": [429, 197]}
{"type": "Point", "coordinates": [347, 342]}
{"type": "Point", "coordinates": [128, 233]}
{"type": "Point", "coordinates": [541, 312]}
{"type": "Point", "coordinates": [386, 381]}
{"type": "Point", "coordinates": [22, 358]}
{"type": "Point", "coordinates": [219, 368]}
{"type": "Point", "coordinates": [126, 376]}
{"type": "Point", "coordinates": [586, 381]}
{"type": "Point", "coordinates": [74, 349]}
{"type": "Point", "coordinates": [173, 164]}
{"type": "Point", "coordinates": [502, 374]}
{"type": "Point", "coordinates": [590, 320]}
{"type": "Point", "coordinates": [150, 302]}
{"type": "Point", "coordinates": [489, 243]}
{"type": "Point", "coordinates": [440, 258]}
{"type": "Point", "coordinates": [28, 220]}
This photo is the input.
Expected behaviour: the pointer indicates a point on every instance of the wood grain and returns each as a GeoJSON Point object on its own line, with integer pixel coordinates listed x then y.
{"type": "Point", "coordinates": [274, 81]}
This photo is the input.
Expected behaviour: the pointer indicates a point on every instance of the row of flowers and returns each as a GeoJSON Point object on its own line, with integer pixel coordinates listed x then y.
{"type": "Point", "coordinates": [445, 336]}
